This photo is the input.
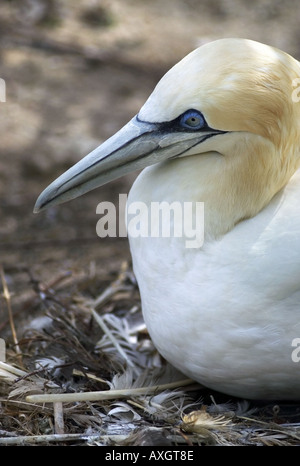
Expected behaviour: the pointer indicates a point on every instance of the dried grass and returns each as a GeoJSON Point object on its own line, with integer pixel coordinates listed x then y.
{"type": "Point", "coordinates": [85, 372]}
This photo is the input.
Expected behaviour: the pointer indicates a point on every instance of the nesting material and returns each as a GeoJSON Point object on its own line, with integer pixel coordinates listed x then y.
{"type": "Point", "coordinates": [87, 373]}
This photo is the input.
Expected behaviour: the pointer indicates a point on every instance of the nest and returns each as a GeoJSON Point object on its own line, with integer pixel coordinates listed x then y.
{"type": "Point", "coordinates": [85, 372]}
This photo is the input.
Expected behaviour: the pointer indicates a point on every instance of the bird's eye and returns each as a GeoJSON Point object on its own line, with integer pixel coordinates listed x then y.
{"type": "Point", "coordinates": [192, 119]}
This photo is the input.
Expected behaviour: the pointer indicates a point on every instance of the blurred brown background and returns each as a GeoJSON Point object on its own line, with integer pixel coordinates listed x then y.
{"type": "Point", "coordinates": [75, 72]}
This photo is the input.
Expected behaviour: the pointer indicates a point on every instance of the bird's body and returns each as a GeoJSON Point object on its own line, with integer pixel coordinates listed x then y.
{"type": "Point", "coordinates": [221, 128]}
{"type": "Point", "coordinates": [226, 314]}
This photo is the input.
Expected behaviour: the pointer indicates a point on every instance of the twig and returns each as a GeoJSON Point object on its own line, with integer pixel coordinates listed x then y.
{"type": "Point", "coordinates": [106, 394]}
{"type": "Point", "coordinates": [58, 418]}
{"type": "Point", "coordinates": [6, 295]}
{"type": "Point", "coordinates": [21, 404]}
{"type": "Point", "coordinates": [36, 439]}
{"type": "Point", "coordinates": [117, 439]}
{"type": "Point", "coordinates": [12, 370]}
{"type": "Point", "coordinates": [89, 376]}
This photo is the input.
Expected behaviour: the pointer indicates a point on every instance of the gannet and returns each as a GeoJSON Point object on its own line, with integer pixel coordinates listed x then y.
{"type": "Point", "coordinates": [222, 127]}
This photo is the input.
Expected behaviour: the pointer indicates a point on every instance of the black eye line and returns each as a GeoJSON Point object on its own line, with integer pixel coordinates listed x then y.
{"type": "Point", "coordinates": [174, 126]}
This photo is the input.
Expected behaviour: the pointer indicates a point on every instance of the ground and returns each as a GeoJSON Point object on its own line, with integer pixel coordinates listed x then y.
{"type": "Point", "coordinates": [75, 72]}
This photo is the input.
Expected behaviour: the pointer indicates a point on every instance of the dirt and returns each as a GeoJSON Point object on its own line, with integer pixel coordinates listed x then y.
{"type": "Point", "coordinates": [75, 72]}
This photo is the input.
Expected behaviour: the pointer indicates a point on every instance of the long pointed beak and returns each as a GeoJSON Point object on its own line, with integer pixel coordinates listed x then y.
{"type": "Point", "coordinates": [137, 145]}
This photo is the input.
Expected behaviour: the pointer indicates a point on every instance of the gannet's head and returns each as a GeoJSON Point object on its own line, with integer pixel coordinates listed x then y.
{"type": "Point", "coordinates": [231, 96]}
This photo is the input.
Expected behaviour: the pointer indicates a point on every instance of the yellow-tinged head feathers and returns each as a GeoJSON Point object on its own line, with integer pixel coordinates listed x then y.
{"type": "Point", "coordinates": [246, 88]}
{"type": "Point", "coordinates": [238, 84]}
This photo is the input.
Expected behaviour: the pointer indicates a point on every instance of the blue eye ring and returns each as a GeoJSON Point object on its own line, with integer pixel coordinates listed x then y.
{"type": "Point", "coordinates": [192, 119]}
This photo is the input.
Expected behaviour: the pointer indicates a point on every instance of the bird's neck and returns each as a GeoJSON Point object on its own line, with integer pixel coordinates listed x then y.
{"type": "Point", "coordinates": [232, 187]}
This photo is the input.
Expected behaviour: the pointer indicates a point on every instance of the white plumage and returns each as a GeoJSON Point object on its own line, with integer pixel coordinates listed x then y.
{"type": "Point", "coordinates": [222, 128]}
{"type": "Point", "coordinates": [226, 314]}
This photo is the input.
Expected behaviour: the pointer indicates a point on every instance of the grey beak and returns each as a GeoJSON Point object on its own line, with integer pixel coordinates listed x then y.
{"type": "Point", "coordinates": [137, 145]}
